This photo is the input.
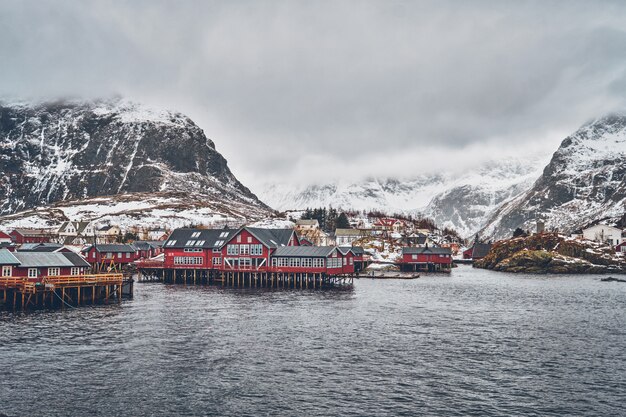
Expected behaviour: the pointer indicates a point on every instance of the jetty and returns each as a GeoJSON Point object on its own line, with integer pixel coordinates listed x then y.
{"type": "Point", "coordinates": [64, 291]}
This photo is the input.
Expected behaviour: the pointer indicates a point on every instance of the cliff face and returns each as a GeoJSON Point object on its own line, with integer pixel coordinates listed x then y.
{"type": "Point", "coordinates": [61, 151]}
{"type": "Point", "coordinates": [585, 181]}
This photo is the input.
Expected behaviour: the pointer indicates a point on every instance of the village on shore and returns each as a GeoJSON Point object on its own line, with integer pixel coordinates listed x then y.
{"type": "Point", "coordinates": [301, 253]}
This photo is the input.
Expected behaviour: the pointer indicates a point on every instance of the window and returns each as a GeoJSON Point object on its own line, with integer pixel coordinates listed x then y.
{"type": "Point", "coordinates": [127, 255]}
{"type": "Point", "coordinates": [245, 262]}
{"type": "Point", "coordinates": [188, 260]}
{"type": "Point", "coordinates": [170, 243]}
{"type": "Point", "coordinates": [351, 261]}
{"type": "Point", "coordinates": [345, 261]}
{"type": "Point", "coordinates": [119, 254]}
{"type": "Point", "coordinates": [7, 271]}
{"type": "Point", "coordinates": [224, 234]}
{"type": "Point", "coordinates": [200, 242]}
{"type": "Point", "coordinates": [274, 262]}
{"type": "Point", "coordinates": [414, 256]}
{"type": "Point", "coordinates": [244, 249]}
{"type": "Point", "coordinates": [93, 254]}
{"type": "Point", "coordinates": [75, 271]}
{"type": "Point", "coordinates": [238, 238]}
{"type": "Point", "coordinates": [54, 272]}
{"type": "Point", "coordinates": [195, 234]}
{"type": "Point", "coordinates": [249, 239]}
{"type": "Point", "coordinates": [219, 243]}
{"type": "Point", "coordinates": [32, 273]}
{"type": "Point", "coordinates": [217, 261]}
{"type": "Point", "coordinates": [232, 249]}
{"type": "Point", "coordinates": [256, 249]}
{"type": "Point", "coordinates": [192, 250]}
{"type": "Point", "coordinates": [190, 243]}
{"type": "Point", "coordinates": [216, 250]}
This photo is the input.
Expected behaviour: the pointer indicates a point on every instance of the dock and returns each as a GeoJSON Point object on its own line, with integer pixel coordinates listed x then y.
{"type": "Point", "coordinates": [241, 278]}
{"type": "Point", "coordinates": [64, 291]}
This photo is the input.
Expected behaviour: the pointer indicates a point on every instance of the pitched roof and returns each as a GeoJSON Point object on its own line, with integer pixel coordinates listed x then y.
{"type": "Point", "coordinates": [348, 232]}
{"type": "Point", "coordinates": [272, 238]}
{"type": "Point", "coordinates": [358, 250]}
{"type": "Point", "coordinates": [7, 258]}
{"type": "Point", "coordinates": [199, 238]}
{"type": "Point", "coordinates": [33, 232]}
{"type": "Point", "coordinates": [39, 247]}
{"type": "Point", "coordinates": [480, 250]}
{"type": "Point", "coordinates": [4, 235]}
{"type": "Point", "coordinates": [304, 251]}
{"type": "Point", "coordinates": [45, 259]}
{"type": "Point", "coordinates": [78, 226]}
{"type": "Point", "coordinates": [426, 251]}
{"type": "Point", "coordinates": [116, 247]}
{"type": "Point", "coordinates": [143, 245]}
{"type": "Point", "coordinates": [308, 222]}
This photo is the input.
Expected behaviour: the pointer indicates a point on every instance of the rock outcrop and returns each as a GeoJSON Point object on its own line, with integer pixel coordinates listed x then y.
{"type": "Point", "coordinates": [552, 253]}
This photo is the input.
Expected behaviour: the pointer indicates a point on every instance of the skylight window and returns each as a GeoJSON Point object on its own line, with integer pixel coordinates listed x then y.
{"type": "Point", "coordinates": [200, 242]}
{"type": "Point", "coordinates": [195, 234]}
{"type": "Point", "coordinates": [219, 243]}
{"type": "Point", "coordinates": [190, 243]}
{"type": "Point", "coordinates": [224, 234]}
{"type": "Point", "coordinates": [171, 243]}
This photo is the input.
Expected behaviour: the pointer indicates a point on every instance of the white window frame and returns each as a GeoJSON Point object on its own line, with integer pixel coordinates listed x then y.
{"type": "Point", "coordinates": [33, 273]}
{"type": "Point", "coordinates": [7, 270]}
{"type": "Point", "coordinates": [54, 271]}
{"type": "Point", "coordinates": [75, 270]}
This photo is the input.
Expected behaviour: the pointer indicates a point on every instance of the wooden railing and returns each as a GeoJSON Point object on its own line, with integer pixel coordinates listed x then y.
{"type": "Point", "coordinates": [91, 279]}
{"type": "Point", "coordinates": [11, 282]}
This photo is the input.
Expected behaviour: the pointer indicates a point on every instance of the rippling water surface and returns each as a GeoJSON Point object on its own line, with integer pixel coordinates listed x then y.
{"type": "Point", "coordinates": [473, 343]}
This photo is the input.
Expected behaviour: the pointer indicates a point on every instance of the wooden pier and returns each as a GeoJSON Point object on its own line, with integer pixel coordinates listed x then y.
{"type": "Point", "coordinates": [248, 279]}
{"type": "Point", "coordinates": [64, 291]}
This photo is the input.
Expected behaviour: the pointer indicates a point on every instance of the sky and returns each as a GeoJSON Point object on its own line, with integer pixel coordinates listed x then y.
{"type": "Point", "coordinates": [303, 92]}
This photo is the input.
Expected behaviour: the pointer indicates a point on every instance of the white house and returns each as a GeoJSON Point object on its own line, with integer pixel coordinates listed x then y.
{"type": "Point", "coordinates": [603, 233]}
{"type": "Point", "coordinates": [77, 232]}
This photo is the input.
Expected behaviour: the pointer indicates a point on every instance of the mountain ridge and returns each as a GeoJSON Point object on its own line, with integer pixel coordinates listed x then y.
{"type": "Point", "coordinates": [67, 150]}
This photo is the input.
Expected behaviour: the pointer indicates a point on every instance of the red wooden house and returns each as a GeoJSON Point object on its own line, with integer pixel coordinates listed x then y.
{"type": "Point", "coordinates": [5, 238]}
{"type": "Point", "coordinates": [195, 248]}
{"type": "Point", "coordinates": [118, 254]}
{"type": "Point", "coordinates": [312, 259]}
{"type": "Point", "coordinates": [37, 265]}
{"type": "Point", "coordinates": [20, 236]}
{"type": "Point", "coordinates": [621, 247]}
{"type": "Point", "coordinates": [426, 259]}
{"type": "Point", "coordinates": [250, 248]}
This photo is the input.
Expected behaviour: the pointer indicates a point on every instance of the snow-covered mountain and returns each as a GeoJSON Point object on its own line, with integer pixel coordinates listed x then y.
{"type": "Point", "coordinates": [65, 152]}
{"type": "Point", "coordinates": [462, 200]}
{"type": "Point", "coordinates": [584, 182]}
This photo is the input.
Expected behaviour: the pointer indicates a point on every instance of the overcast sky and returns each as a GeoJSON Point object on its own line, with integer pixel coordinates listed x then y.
{"type": "Point", "coordinates": [310, 90]}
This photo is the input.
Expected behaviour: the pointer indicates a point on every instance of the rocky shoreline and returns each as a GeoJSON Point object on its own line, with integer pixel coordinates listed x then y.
{"type": "Point", "coordinates": [550, 253]}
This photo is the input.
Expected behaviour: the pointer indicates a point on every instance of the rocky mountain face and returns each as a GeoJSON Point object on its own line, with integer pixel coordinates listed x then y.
{"type": "Point", "coordinates": [584, 182]}
{"type": "Point", "coordinates": [461, 200]}
{"type": "Point", "coordinates": [62, 151]}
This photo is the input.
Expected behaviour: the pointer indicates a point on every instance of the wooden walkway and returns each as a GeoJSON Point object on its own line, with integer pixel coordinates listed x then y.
{"type": "Point", "coordinates": [64, 291]}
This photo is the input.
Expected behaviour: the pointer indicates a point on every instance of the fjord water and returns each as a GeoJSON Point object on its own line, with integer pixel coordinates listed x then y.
{"type": "Point", "coordinates": [473, 343]}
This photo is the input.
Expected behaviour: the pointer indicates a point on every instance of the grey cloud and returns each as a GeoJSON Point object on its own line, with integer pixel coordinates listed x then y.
{"type": "Point", "coordinates": [281, 84]}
